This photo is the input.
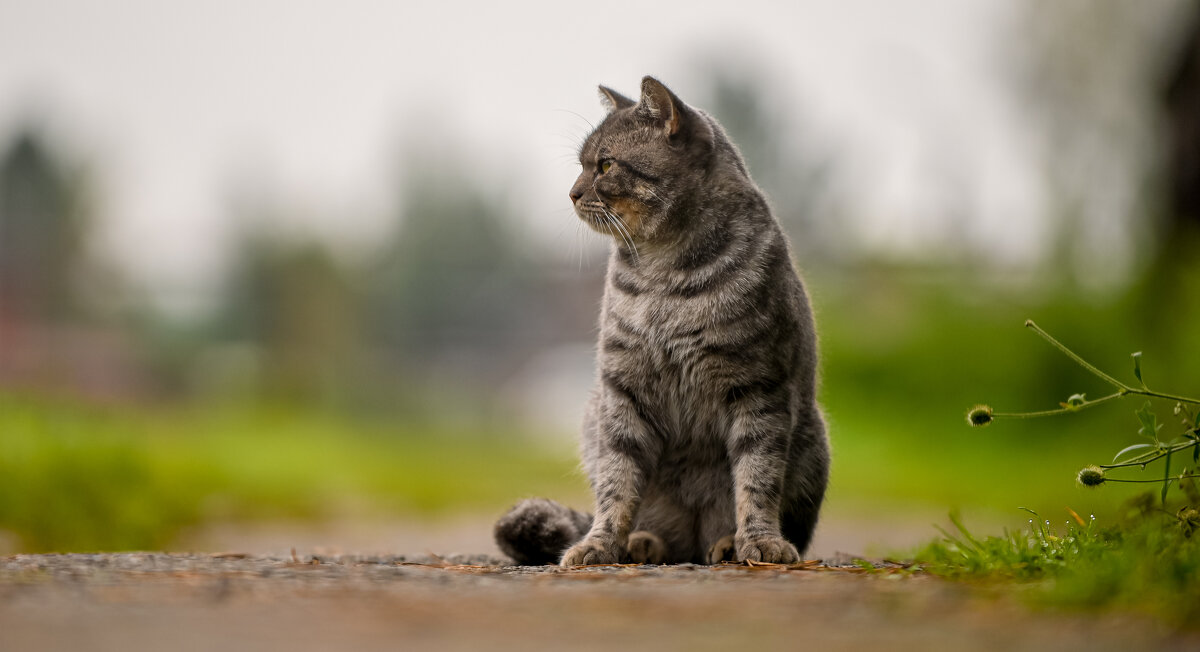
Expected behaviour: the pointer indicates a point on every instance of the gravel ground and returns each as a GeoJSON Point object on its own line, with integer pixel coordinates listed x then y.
{"type": "Point", "coordinates": [184, 602]}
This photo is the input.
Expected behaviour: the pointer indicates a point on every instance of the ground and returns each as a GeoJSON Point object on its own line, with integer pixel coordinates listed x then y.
{"type": "Point", "coordinates": [233, 601]}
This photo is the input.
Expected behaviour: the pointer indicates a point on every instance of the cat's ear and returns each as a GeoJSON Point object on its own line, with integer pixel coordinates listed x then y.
{"type": "Point", "coordinates": [660, 104]}
{"type": "Point", "coordinates": [678, 121]}
{"type": "Point", "coordinates": [613, 100]}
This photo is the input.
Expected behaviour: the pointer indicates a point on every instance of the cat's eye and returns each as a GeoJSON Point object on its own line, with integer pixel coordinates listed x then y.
{"type": "Point", "coordinates": [605, 166]}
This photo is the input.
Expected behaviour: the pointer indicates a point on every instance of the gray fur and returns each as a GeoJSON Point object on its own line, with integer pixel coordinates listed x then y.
{"type": "Point", "coordinates": [703, 424]}
{"type": "Point", "coordinates": [537, 531]}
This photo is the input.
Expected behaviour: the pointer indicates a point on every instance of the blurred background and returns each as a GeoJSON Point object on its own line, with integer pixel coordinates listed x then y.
{"type": "Point", "coordinates": [305, 273]}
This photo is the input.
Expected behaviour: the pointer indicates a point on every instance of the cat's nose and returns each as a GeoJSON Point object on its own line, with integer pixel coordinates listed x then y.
{"type": "Point", "coordinates": [576, 193]}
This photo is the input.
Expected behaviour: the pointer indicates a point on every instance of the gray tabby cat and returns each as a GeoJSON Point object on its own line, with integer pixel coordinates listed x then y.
{"type": "Point", "coordinates": [703, 440]}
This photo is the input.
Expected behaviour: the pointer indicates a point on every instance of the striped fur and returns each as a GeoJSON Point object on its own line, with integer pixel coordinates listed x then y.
{"type": "Point", "coordinates": [703, 439]}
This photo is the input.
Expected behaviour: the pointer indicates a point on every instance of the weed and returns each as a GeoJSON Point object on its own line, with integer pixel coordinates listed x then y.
{"type": "Point", "coordinates": [1143, 565]}
{"type": "Point", "coordinates": [1183, 446]}
{"type": "Point", "coordinates": [1150, 562]}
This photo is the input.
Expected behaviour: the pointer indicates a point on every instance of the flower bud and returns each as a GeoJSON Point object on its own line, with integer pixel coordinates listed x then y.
{"type": "Point", "coordinates": [980, 415]}
{"type": "Point", "coordinates": [1091, 476]}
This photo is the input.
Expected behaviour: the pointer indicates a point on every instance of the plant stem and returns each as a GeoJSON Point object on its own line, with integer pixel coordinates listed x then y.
{"type": "Point", "coordinates": [1170, 479]}
{"type": "Point", "coordinates": [1065, 410]}
{"type": "Point", "coordinates": [1169, 397]}
{"type": "Point", "coordinates": [1124, 389]}
{"type": "Point", "coordinates": [1071, 354]}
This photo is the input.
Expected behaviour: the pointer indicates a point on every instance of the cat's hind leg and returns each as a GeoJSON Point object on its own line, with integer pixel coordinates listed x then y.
{"type": "Point", "coordinates": [807, 477]}
{"type": "Point", "coordinates": [722, 550]}
{"type": "Point", "coordinates": [536, 531]}
{"type": "Point", "coordinates": [646, 548]}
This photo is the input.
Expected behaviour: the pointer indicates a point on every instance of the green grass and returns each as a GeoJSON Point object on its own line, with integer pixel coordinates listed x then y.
{"type": "Point", "coordinates": [77, 477]}
{"type": "Point", "coordinates": [101, 478]}
{"type": "Point", "coordinates": [903, 357]}
{"type": "Point", "coordinates": [1148, 565]}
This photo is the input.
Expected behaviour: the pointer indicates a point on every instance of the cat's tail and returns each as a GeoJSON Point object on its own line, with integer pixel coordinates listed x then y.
{"type": "Point", "coordinates": [537, 531]}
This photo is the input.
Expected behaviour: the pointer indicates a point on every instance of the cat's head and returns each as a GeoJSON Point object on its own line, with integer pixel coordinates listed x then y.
{"type": "Point", "coordinates": [644, 159]}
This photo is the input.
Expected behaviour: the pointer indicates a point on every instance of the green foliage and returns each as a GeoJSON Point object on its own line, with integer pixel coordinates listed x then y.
{"type": "Point", "coordinates": [896, 339]}
{"type": "Point", "coordinates": [1156, 449]}
{"type": "Point", "coordinates": [67, 485]}
{"type": "Point", "coordinates": [79, 479]}
{"type": "Point", "coordinates": [1021, 554]}
{"type": "Point", "coordinates": [1150, 565]}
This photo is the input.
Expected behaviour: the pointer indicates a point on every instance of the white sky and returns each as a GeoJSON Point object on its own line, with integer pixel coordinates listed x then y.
{"type": "Point", "coordinates": [178, 105]}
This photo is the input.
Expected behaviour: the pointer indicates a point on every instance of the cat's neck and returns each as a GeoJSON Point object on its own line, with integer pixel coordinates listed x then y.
{"type": "Point", "coordinates": [696, 228]}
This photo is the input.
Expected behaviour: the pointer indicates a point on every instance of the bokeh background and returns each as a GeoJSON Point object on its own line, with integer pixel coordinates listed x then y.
{"type": "Point", "coordinates": [306, 273]}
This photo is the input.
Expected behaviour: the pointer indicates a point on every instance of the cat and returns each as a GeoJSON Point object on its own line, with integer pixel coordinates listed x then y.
{"type": "Point", "coordinates": [702, 439]}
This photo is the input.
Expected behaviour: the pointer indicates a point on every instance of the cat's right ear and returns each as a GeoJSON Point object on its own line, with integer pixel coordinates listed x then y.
{"type": "Point", "coordinates": [613, 100]}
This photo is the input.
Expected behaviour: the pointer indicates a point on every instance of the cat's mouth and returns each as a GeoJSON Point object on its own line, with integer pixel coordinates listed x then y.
{"type": "Point", "coordinates": [596, 215]}
{"type": "Point", "coordinates": [604, 219]}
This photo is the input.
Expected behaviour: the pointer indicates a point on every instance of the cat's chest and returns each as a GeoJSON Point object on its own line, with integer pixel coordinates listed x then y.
{"type": "Point", "coordinates": [665, 345]}
{"type": "Point", "coordinates": [664, 331]}
{"type": "Point", "coordinates": [662, 315]}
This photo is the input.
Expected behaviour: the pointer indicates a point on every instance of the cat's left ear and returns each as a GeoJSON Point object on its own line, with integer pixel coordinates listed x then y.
{"type": "Point", "coordinates": [660, 104]}
{"type": "Point", "coordinates": [678, 121]}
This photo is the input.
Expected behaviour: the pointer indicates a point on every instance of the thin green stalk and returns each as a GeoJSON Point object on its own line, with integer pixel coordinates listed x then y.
{"type": "Point", "coordinates": [1065, 410]}
{"type": "Point", "coordinates": [1170, 479]}
{"type": "Point", "coordinates": [1071, 354]}
{"type": "Point", "coordinates": [1124, 389]}
{"type": "Point", "coordinates": [1169, 397]}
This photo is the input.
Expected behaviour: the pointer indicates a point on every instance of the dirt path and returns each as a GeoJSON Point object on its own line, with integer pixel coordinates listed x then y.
{"type": "Point", "coordinates": [207, 602]}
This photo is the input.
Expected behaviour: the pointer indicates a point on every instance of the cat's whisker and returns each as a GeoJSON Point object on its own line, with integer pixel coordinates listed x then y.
{"type": "Point", "coordinates": [573, 244]}
{"type": "Point", "coordinates": [623, 230]}
{"type": "Point", "coordinates": [654, 193]}
{"type": "Point", "coordinates": [581, 242]}
{"type": "Point", "coordinates": [591, 127]}
{"type": "Point", "coordinates": [629, 239]}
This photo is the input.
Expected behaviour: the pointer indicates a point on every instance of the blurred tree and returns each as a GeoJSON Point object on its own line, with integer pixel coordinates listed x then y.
{"type": "Point", "coordinates": [42, 227]}
{"type": "Point", "coordinates": [1173, 281]}
{"type": "Point", "coordinates": [297, 306]}
{"type": "Point", "coordinates": [1181, 101]}
{"type": "Point", "coordinates": [59, 305]}
{"type": "Point", "coordinates": [454, 286]}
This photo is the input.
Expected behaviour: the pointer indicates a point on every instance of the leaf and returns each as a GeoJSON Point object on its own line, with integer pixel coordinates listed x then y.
{"type": "Point", "coordinates": [1137, 367]}
{"type": "Point", "coordinates": [1131, 448]}
{"type": "Point", "coordinates": [1149, 422]}
{"type": "Point", "coordinates": [956, 519]}
{"type": "Point", "coordinates": [1075, 402]}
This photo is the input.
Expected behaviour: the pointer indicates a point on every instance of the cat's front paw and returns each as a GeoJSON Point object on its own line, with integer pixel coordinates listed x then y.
{"type": "Point", "coordinates": [593, 551]}
{"type": "Point", "coordinates": [769, 549]}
